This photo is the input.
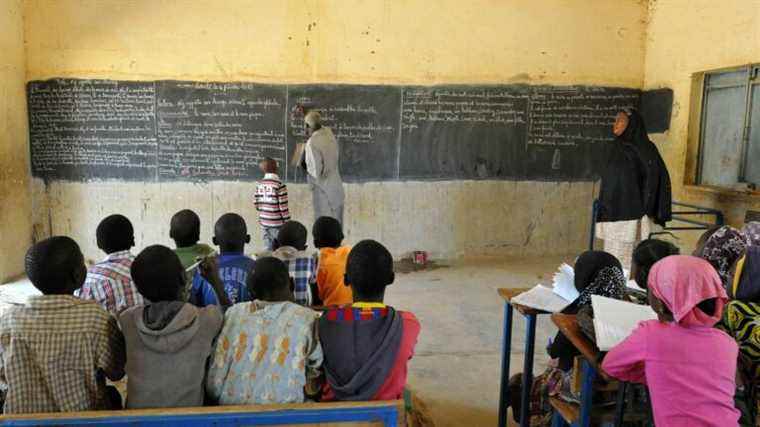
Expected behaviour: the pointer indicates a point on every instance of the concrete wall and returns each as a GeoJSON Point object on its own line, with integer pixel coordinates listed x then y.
{"type": "Point", "coordinates": [410, 41]}
{"type": "Point", "coordinates": [691, 36]}
{"type": "Point", "coordinates": [15, 211]}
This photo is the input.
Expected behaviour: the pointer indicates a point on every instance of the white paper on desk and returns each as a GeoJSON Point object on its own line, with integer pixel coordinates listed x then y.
{"type": "Point", "coordinates": [17, 293]}
{"type": "Point", "coordinates": [564, 283]}
{"type": "Point", "coordinates": [542, 298]}
{"type": "Point", "coordinates": [615, 320]}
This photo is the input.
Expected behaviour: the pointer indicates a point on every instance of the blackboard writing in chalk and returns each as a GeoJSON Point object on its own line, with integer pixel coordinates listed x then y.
{"type": "Point", "coordinates": [197, 131]}
{"type": "Point", "coordinates": [218, 130]}
{"type": "Point", "coordinates": [364, 120]}
{"type": "Point", "coordinates": [569, 127]}
{"type": "Point", "coordinates": [462, 132]}
{"type": "Point", "coordinates": [92, 129]}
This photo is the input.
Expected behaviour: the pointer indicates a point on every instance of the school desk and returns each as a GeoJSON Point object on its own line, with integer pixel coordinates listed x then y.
{"type": "Point", "coordinates": [349, 414]}
{"type": "Point", "coordinates": [506, 348]}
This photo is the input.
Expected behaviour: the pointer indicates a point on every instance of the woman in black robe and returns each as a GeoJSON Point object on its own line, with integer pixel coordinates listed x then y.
{"type": "Point", "coordinates": [635, 195]}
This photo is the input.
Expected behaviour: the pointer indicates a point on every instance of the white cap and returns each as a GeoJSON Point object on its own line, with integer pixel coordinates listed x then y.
{"type": "Point", "coordinates": [313, 118]}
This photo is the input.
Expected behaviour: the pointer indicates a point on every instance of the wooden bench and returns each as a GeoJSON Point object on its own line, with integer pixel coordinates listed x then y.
{"type": "Point", "coordinates": [349, 414]}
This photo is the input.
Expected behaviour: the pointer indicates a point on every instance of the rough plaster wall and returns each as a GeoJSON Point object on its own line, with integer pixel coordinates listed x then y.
{"type": "Point", "coordinates": [688, 36]}
{"type": "Point", "coordinates": [15, 210]}
{"type": "Point", "coordinates": [446, 218]}
{"type": "Point", "coordinates": [413, 41]}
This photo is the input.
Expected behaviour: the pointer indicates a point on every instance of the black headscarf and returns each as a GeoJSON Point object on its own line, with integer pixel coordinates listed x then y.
{"type": "Point", "coordinates": [635, 181]}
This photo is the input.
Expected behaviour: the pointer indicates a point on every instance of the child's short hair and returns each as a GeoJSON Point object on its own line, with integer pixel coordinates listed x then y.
{"type": "Point", "coordinates": [647, 253]}
{"type": "Point", "coordinates": [230, 228]}
{"type": "Point", "coordinates": [115, 233]}
{"type": "Point", "coordinates": [293, 234]}
{"type": "Point", "coordinates": [369, 268]}
{"type": "Point", "coordinates": [268, 277]}
{"type": "Point", "coordinates": [51, 264]}
{"type": "Point", "coordinates": [158, 274]}
{"type": "Point", "coordinates": [270, 165]}
{"type": "Point", "coordinates": [185, 228]}
{"type": "Point", "coordinates": [327, 232]}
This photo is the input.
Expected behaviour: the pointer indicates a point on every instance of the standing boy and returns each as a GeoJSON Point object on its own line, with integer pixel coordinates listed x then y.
{"type": "Point", "coordinates": [168, 340]}
{"type": "Point", "coordinates": [109, 282]}
{"type": "Point", "coordinates": [271, 201]}
{"type": "Point", "coordinates": [328, 237]}
{"type": "Point", "coordinates": [268, 351]}
{"type": "Point", "coordinates": [367, 346]}
{"type": "Point", "coordinates": [57, 350]}
{"type": "Point", "coordinates": [231, 235]}
{"type": "Point", "coordinates": [290, 248]}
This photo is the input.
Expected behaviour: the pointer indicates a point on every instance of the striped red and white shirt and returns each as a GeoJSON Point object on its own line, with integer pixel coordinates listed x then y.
{"type": "Point", "coordinates": [271, 200]}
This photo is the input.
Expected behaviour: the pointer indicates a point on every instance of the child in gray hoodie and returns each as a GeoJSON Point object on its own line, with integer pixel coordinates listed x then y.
{"type": "Point", "coordinates": [168, 341]}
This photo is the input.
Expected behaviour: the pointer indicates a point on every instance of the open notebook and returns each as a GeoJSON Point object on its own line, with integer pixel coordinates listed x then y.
{"type": "Point", "coordinates": [615, 320]}
{"type": "Point", "coordinates": [542, 298]}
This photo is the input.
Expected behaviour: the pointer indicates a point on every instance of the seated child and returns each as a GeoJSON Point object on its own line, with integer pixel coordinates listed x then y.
{"type": "Point", "coordinates": [367, 345]}
{"type": "Point", "coordinates": [185, 230]}
{"type": "Point", "coordinates": [596, 273]}
{"type": "Point", "coordinates": [57, 350]}
{"type": "Point", "coordinates": [271, 201]}
{"type": "Point", "coordinates": [168, 341]}
{"type": "Point", "coordinates": [688, 366]}
{"type": "Point", "coordinates": [109, 282]}
{"type": "Point", "coordinates": [328, 236]}
{"type": "Point", "coordinates": [231, 235]}
{"type": "Point", "coordinates": [290, 248]}
{"type": "Point", "coordinates": [722, 247]}
{"type": "Point", "coordinates": [268, 350]}
{"type": "Point", "coordinates": [646, 254]}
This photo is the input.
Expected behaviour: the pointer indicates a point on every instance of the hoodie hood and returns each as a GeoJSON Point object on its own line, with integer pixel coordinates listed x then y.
{"type": "Point", "coordinates": [167, 327]}
{"type": "Point", "coordinates": [360, 353]}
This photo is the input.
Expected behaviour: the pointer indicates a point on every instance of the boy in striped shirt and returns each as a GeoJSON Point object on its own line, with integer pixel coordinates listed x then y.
{"type": "Point", "coordinates": [271, 201]}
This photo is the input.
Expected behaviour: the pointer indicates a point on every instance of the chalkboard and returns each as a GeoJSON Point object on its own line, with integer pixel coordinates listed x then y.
{"type": "Point", "coordinates": [656, 108]}
{"type": "Point", "coordinates": [84, 130]}
{"type": "Point", "coordinates": [218, 130]}
{"type": "Point", "coordinates": [92, 129]}
{"type": "Point", "coordinates": [365, 121]}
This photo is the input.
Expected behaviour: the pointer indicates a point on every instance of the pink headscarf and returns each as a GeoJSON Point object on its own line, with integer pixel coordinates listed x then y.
{"type": "Point", "coordinates": [681, 282]}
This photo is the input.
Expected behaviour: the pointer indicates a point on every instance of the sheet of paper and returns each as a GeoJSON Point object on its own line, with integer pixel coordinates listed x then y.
{"type": "Point", "coordinates": [542, 298]}
{"type": "Point", "coordinates": [564, 283]}
{"type": "Point", "coordinates": [631, 284]}
{"type": "Point", "coordinates": [615, 320]}
{"type": "Point", "coordinates": [17, 293]}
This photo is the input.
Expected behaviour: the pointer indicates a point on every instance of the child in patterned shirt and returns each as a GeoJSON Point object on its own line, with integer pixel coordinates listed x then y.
{"type": "Point", "coordinates": [290, 248]}
{"type": "Point", "coordinates": [268, 351]}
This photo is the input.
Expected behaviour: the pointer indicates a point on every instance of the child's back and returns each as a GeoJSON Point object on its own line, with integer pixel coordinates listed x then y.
{"type": "Point", "coordinates": [55, 349]}
{"type": "Point", "coordinates": [268, 349]}
{"type": "Point", "coordinates": [331, 269]}
{"type": "Point", "coordinates": [302, 269]}
{"type": "Point", "coordinates": [366, 351]}
{"type": "Point", "coordinates": [168, 341]}
{"type": "Point", "coordinates": [185, 230]}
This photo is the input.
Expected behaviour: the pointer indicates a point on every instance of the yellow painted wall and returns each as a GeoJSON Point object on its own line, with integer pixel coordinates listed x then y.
{"type": "Point", "coordinates": [15, 211]}
{"type": "Point", "coordinates": [690, 36]}
{"type": "Point", "coordinates": [359, 41]}
{"type": "Point", "coordinates": [598, 42]}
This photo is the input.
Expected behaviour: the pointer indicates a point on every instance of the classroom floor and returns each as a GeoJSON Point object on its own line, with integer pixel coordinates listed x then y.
{"type": "Point", "coordinates": [455, 371]}
{"type": "Point", "coordinates": [457, 364]}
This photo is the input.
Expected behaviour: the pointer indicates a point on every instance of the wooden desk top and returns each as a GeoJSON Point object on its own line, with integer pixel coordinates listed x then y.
{"type": "Point", "coordinates": [568, 325]}
{"type": "Point", "coordinates": [508, 293]}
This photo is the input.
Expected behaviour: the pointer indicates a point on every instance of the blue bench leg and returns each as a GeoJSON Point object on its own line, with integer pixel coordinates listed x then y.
{"type": "Point", "coordinates": [527, 378]}
{"type": "Point", "coordinates": [587, 394]}
{"type": "Point", "coordinates": [506, 350]}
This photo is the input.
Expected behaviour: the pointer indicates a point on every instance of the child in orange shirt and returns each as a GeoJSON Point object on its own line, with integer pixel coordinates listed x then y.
{"type": "Point", "coordinates": [328, 237]}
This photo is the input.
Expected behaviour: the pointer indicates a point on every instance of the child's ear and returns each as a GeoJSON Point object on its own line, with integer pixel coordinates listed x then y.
{"type": "Point", "coordinates": [292, 285]}
{"type": "Point", "coordinates": [247, 238]}
{"type": "Point", "coordinates": [214, 241]}
{"type": "Point", "coordinates": [391, 278]}
{"type": "Point", "coordinates": [346, 280]}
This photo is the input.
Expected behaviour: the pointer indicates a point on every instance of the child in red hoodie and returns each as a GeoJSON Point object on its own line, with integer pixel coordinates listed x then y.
{"type": "Point", "coordinates": [367, 345]}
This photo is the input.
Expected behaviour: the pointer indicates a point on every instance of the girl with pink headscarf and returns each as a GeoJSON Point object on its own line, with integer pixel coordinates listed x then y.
{"type": "Point", "coordinates": [688, 366]}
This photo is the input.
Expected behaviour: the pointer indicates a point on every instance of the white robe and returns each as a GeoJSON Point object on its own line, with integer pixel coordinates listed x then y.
{"type": "Point", "coordinates": [322, 166]}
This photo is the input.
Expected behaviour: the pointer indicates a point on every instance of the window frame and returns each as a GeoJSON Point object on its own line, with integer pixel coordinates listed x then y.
{"type": "Point", "coordinates": [750, 81]}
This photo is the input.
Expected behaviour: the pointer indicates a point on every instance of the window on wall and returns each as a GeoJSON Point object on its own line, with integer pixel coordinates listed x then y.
{"type": "Point", "coordinates": [729, 151]}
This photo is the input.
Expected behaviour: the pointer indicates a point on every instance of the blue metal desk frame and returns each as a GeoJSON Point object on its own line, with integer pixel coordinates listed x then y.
{"type": "Point", "coordinates": [388, 415]}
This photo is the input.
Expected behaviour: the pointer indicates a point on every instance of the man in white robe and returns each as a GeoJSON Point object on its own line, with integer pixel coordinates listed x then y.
{"type": "Point", "coordinates": [322, 160]}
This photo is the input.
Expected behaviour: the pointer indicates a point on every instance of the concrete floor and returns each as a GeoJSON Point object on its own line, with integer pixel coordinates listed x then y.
{"type": "Point", "coordinates": [457, 364]}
